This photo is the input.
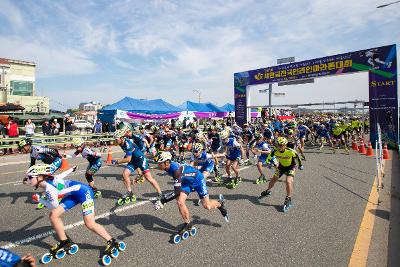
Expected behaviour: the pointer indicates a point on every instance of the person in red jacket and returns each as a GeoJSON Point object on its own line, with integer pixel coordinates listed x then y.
{"type": "Point", "coordinates": [12, 129]}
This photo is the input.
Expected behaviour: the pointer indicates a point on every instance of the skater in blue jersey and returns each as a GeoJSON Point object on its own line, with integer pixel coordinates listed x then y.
{"type": "Point", "coordinates": [187, 179]}
{"type": "Point", "coordinates": [71, 193]}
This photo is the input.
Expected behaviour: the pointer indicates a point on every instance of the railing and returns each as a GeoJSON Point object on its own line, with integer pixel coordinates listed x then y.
{"type": "Point", "coordinates": [55, 140]}
{"type": "Point", "coordinates": [379, 161]}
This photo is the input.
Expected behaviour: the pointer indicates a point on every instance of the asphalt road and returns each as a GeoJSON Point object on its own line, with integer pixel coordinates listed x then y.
{"type": "Point", "coordinates": [329, 199]}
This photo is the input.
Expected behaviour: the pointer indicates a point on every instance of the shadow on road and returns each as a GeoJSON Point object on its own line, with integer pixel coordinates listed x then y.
{"type": "Point", "coordinates": [338, 184]}
{"type": "Point", "coordinates": [384, 214]}
{"type": "Point", "coordinates": [345, 175]}
{"type": "Point", "coordinates": [350, 168]}
{"type": "Point", "coordinates": [16, 195]}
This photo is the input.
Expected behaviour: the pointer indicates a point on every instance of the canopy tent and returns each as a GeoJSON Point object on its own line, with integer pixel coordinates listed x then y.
{"type": "Point", "coordinates": [202, 110]}
{"type": "Point", "coordinates": [228, 107]}
{"type": "Point", "coordinates": [138, 109]}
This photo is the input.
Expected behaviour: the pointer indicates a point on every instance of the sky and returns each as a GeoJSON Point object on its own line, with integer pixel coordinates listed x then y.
{"type": "Point", "coordinates": [105, 50]}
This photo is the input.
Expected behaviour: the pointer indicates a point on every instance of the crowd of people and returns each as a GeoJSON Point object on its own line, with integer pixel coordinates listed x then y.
{"type": "Point", "coordinates": [193, 156]}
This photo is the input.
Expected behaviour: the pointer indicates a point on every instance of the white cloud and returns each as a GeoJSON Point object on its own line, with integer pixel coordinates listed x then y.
{"type": "Point", "coordinates": [12, 14]}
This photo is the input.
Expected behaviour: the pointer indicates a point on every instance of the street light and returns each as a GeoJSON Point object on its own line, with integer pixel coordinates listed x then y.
{"type": "Point", "coordinates": [385, 5]}
{"type": "Point", "coordinates": [197, 91]}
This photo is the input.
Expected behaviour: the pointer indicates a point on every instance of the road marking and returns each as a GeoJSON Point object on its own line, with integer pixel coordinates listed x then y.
{"type": "Point", "coordinates": [359, 255]}
{"type": "Point", "coordinates": [13, 163]}
{"type": "Point", "coordinates": [74, 225]}
{"type": "Point", "coordinates": [70, 226]}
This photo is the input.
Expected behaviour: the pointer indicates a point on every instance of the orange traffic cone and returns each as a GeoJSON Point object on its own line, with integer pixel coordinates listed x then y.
{"type": "Point", "coordinates": [361, 148]}
{"type": "Point", "coordinates": [370, 151]}
{"type": "Point", "coordinates": [64, 162]}
{"type": "Point", "coordinates": [354, 145]}
{"type": "Point", "coordinates": [385, 152]}
{"type": "Point", "coordinates": [109, 156]}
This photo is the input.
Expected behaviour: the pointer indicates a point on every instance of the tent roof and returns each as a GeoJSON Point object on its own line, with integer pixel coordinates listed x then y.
{"type": "Point", "coordinates": [200, 107]}
{"type": "Point", "coordinates": [228, 107]}
{"type": "Point", "coordinates": [10, 107]}
{"type": "Point", "coordinates": [156, 106]}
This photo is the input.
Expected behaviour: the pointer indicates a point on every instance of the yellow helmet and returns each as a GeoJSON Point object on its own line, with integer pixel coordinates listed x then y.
{"type": "Point", "coordinates": [77, 142]}
{"type": "Point", "coordinates": [224, 134]}
{"type": "Point", "coordinates": [198, 147]}
{"type": "Point", "coordinates": [282, 141]}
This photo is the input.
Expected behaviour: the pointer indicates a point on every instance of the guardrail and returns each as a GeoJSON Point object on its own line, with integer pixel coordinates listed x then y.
{"type": "Point", "coordinates": [55, 140]}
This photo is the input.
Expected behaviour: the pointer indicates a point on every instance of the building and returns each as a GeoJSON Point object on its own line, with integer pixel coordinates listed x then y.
{"type": "Point", "coordinates": [88, 111]}
{"type": "Point", "coordinates": [17, 86]}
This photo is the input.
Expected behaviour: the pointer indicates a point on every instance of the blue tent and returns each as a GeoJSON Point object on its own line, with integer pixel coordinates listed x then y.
{"type": "Point", "coordinates": [156, 106]}
{"type": "Point", "coordinates": [200, 107]}
{"type": "Point", "coordinates": [228, 107]}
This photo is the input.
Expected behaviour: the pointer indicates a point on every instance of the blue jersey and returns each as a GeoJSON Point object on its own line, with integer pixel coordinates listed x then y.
{"type": "Point", "coordinates": [204, 159]}
{"type": "Point", "coordinates": [131, 149]}
{"type": "Point", "coordinates": [138, 140]}
{"type": "Point", "coordinates": [8, 258]}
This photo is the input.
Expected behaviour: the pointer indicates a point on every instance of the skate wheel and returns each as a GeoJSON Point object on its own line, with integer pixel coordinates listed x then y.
{"type": "Point", "coordinates": [221, 197]}
{"type": "Point", "coordinates": [127, 200]}
{"type": "Point", "coordinates": [193, 231]}
{"type": "Point", "coordinates": [106, 260]}
{"type": "Point", "coordinates": [177, 239]}
{"type": "Point", "coordinates": [185, 235]}
{"type": "Point", "coordinates": [40, 206]}
{"type": "Point", "coordinates": [257, 182]}
{"type": "Point", "coordinates": [121, 246]}
{"type": "Point", "coordinates": [73, 249]}
{"type": "Point", "coordinates": [285, 208]}
{"type": "Point", "coordinates": [60, 254]}
{"type": "Point", "coordinates": [133, 199]}
{"type": "Point", "coordinates": [46, 258]}
{"type": "Point", "coordinates": [114, 253]}
{"type": "Point", "coordinates": [121, 202]}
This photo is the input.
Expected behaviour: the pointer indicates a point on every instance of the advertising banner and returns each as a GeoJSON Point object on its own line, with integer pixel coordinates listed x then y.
{"type": "Point", "coordinates": [380, 62]}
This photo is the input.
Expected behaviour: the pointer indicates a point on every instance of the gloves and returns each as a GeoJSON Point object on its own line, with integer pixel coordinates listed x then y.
{"type": "Point", "coordinates": [301, 167]}
{"type": "Point", "coordinates": [35, 198]}
{"type": "Point", "coordinates": [114, 162]}
{"type": "Point", "coordinates": [158, 205]}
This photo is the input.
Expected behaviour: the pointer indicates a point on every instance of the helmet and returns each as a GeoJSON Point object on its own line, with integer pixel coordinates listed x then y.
{"type": "Point", "coordinates": [282, 141]}
{"type": "Point", "coordinates": [162, 157]}
{"type": "Point", "coordinates": [199, 135]}
{"type": "Point", "coordinates": [24, 142]}
{"type": "Point", "coordinates": [290, 131]}
{"type": "Point", "coordinates": [120, 133]}
{"type": "Point", "coordinates": [224, 134]}
{"type": "Point", "coordinates": [77, 142]}
{"type": "Point", "coordinates": [39, 169]}
{"type": "Point", "coordinates": [258, 136]}
{"type": "Point", "coordinates": [141, 127]}
{"type": "Point", "coordinates": [197, 147]}
{"type": "Point", "coordinates": [154, 128]}
{"type": "Point", "coordinates": [245, 125]}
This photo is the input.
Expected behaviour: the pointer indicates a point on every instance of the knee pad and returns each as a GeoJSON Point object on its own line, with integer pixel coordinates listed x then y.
{"type": "Point", "coordinates": [89, 177]}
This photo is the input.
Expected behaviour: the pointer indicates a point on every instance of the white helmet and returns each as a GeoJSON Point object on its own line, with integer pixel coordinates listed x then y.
{"type": "Point", "coordinates": [77, 142]}
{"type": "Point", "coordinates": [39, 169]}
{"type": "Point", "coordinates": [163, 156]}
{"type": "Point", "coordinates": [121, 132]}
{"type": "Point", "coordinates": [198, 147]}
{"type": "Point", "coordinates": [224, 134]}
{"type": "Point", "coordinates": [199, 135]}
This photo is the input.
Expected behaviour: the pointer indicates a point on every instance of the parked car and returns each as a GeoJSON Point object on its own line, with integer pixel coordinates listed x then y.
{"type": "Point", "coordinates": [82, 124]}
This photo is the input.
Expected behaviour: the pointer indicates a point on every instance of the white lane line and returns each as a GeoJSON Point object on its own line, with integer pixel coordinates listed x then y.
{"type": "Point", "coordinates": [13, 163]}
{"type": "Point", "coordinates": [70, 226]}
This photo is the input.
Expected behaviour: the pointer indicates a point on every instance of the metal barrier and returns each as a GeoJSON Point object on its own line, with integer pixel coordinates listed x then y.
{"type": "Point", "coordinates": [55, 140]}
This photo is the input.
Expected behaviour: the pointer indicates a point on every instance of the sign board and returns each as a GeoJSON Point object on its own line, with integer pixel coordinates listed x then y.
{"type": "Point", "coordinates": [379, 62]}
{"type": "Point", "coordinates": [285, 60]}
{"type": "Point", "coordinates": [304, 81]}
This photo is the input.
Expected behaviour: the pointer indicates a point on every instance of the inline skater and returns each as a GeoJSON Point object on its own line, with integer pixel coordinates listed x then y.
{"type": "Point", "coordinates": [187, 179]}
{"type": "Point", "coordinates": [49, 156]}
{"type": "Point", "coordinates": [284, 160]}
{"type": "Point", "coordinates": [183, 141]}
{"type": "Point", "coordinates": [302, 132]}
{"type": "Point", "coordinates": [10, 259]}
{"type": "Point", "coordinates": [261, 147]}
{"type": "Point", "coordinates": [203, 160]}
{"type": "Point", "coordinates": [233, 155]}
{"type": "Point", "coordinates": [248, 141]}
{"type": "Point", "coordinates": [94, 160]}
{"type": "Point", "coordinates": [215, 140]}
{"type": "Point", "coordinates": [135, 159]}
{"type": "Point", "coordinates": [72, 194]}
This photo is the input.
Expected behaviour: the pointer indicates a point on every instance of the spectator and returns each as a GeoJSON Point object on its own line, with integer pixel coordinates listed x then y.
{"type": "Point", "coordinates": [54, 130]}
{"type": "Point", "coordinates": [13, 132]}
{"type": "Point", "coordinates": [2, 129]}
{"type": "Point", "coordinates": [106, 127]}
{"type": "Point", "coordinates": [69, 125]}
{"type": "Point", "coordinates": [46, 128]}
{"type": "Point", "coordinates": [98, 127]}
{"type": "Point", "coordinates": [29, 128]}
